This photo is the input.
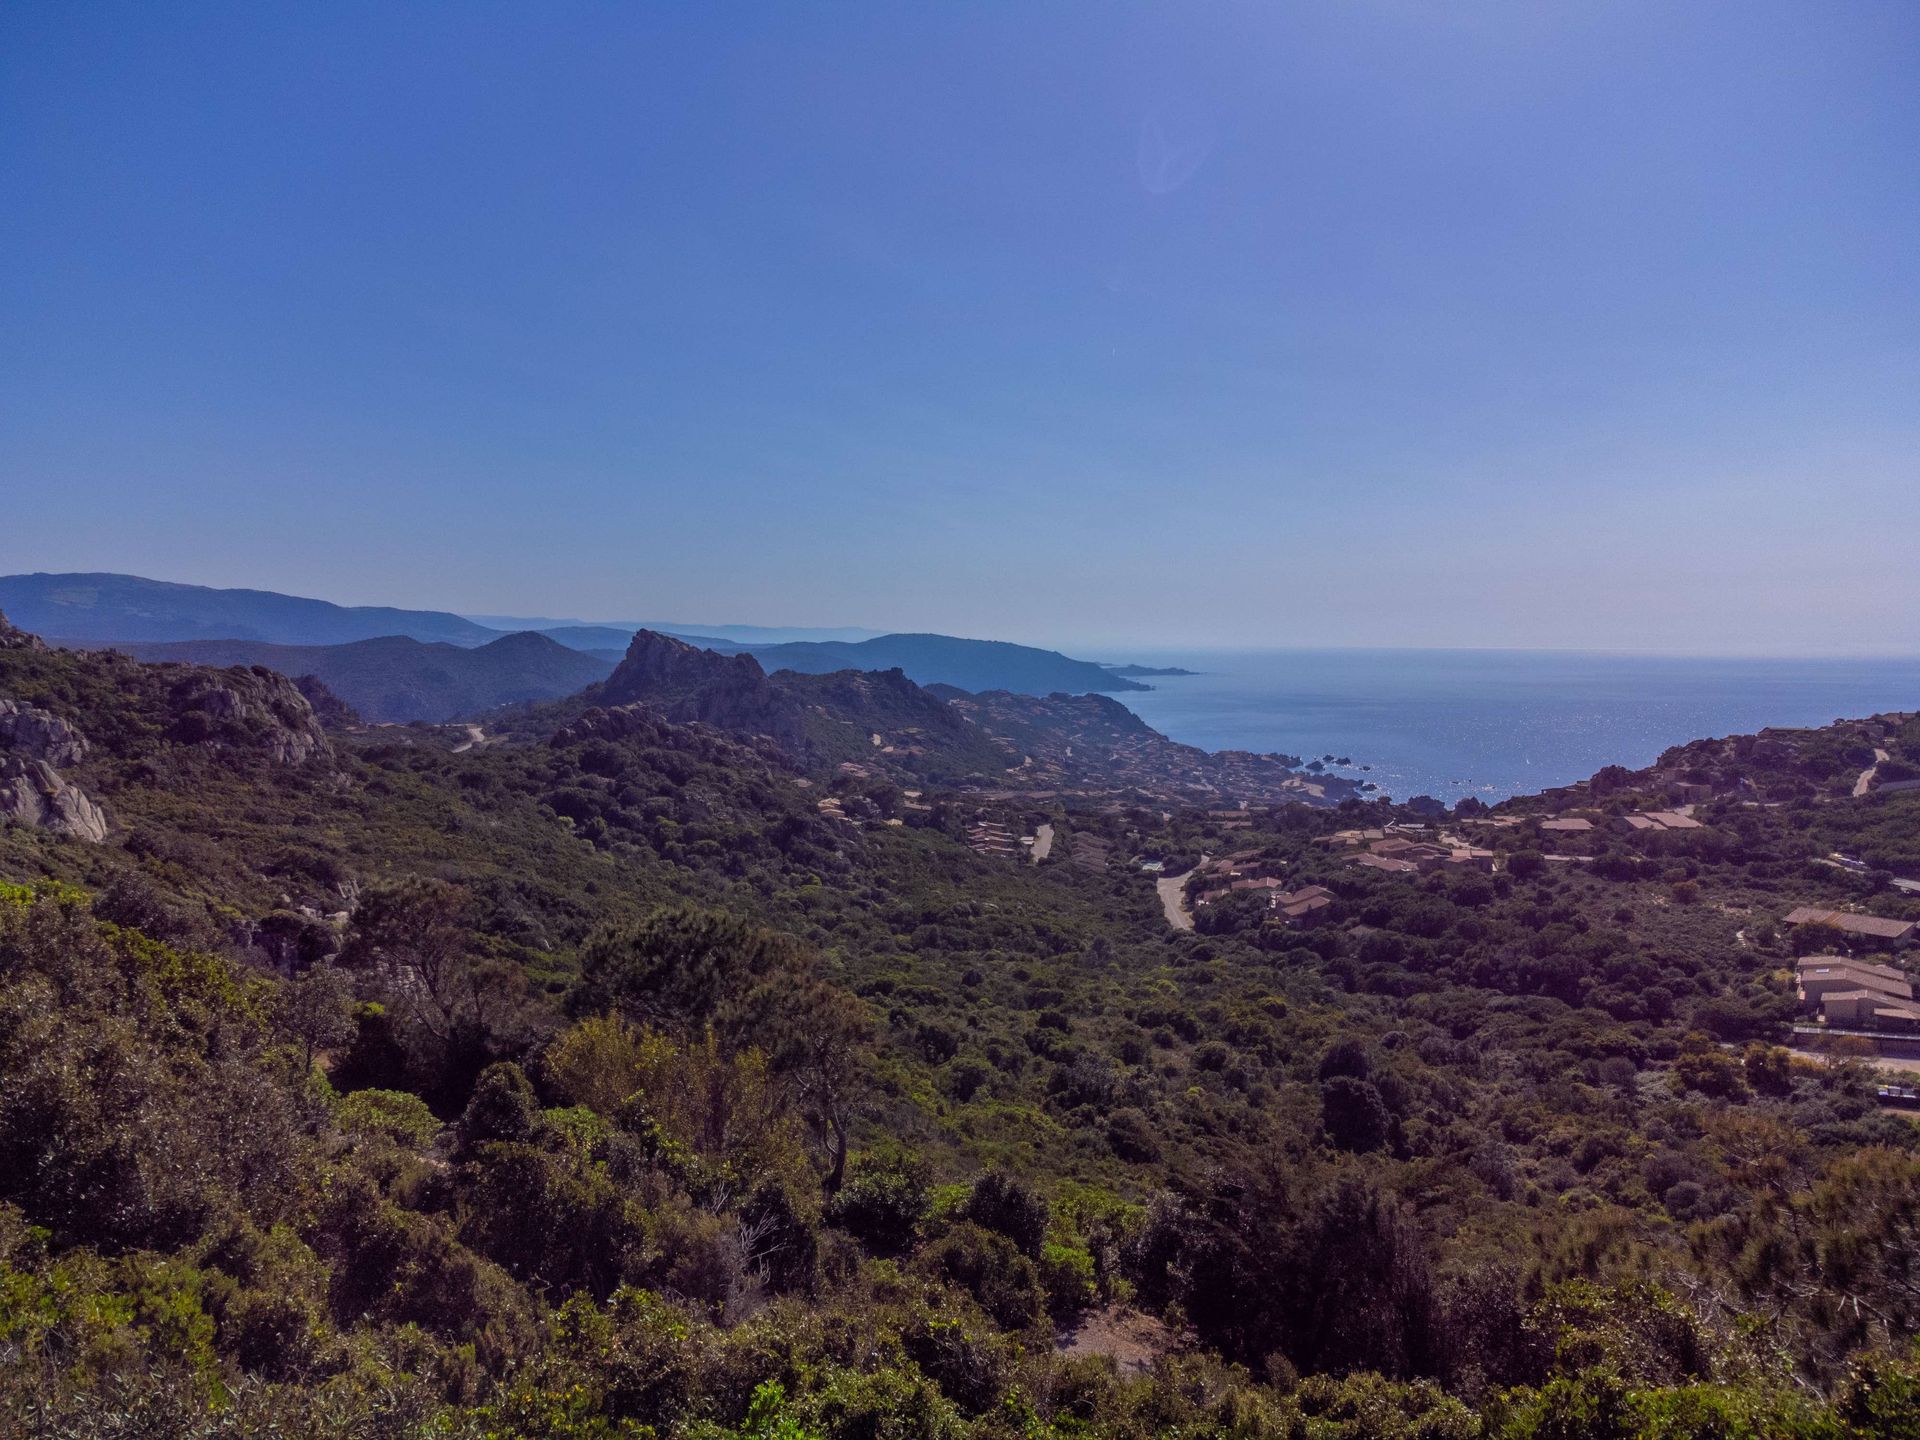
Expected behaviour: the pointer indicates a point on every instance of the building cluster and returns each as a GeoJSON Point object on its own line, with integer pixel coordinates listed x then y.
{"type": "Point", "coordinates": [1405, 851]}
{"type": "Point", "coordinates": [1238, 874]}
{"type": "Point", "coordinates": [1091, 747]}
{"type": "Point", "coordinates": [987, 836]}
{"type": "Point", "coordinates": [1856, 994]}
{"type": "Point", "coordinates": [1232, 874]}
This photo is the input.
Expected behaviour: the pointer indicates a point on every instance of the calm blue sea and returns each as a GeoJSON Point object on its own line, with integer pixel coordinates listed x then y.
{"type": "Point", "coordinates": [1494, 723]}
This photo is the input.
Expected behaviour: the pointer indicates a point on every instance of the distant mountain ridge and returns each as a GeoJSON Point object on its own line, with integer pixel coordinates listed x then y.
{"type": "Point", "coordinates": [104, 608]}
{"type": "Point", "coordinates": [396, 678]}
{"type": "Point", "coordinates": [732, 634]}
{"type": "Point", "coordinates": [946, 660]}
{"type": "Point", "coordinates": [96, 609]}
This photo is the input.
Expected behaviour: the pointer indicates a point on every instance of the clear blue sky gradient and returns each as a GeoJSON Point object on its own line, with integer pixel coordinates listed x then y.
{"type": "Point", "coordinates": [1570, 324]}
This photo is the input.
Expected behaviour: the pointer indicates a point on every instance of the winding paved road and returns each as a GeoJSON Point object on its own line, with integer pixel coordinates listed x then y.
{"type": "Point", "coordinates": [1173, 897]}
{"type": "Point", "coordinates": [1865, 782]}
{"type": "Point", "coordinates": [1042, 843]}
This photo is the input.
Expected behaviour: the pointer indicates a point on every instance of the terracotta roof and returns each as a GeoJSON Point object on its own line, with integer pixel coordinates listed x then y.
{"type": "Point", "coordinates": [1814, 963]}
{"type": "Point", "coordinates": [1388, 863]}
{"type": "Point", "coordinates": [1874, 925]}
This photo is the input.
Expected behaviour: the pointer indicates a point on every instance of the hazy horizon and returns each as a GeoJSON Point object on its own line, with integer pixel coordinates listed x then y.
{"type": "Point", "coordinates": [1586, 327]}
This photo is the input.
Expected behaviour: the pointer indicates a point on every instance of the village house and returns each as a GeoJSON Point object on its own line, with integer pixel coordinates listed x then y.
{"type": "Point", "coordinates": [1387, 864]}
{"type": "Point", "coordinates": [1873, 928]}
{"type": "Point", "coordinates": [1304, 908]}
{"type": "Point", "coordinates": [1090, 853]}
{"type": "Point", "coordinates": [1657, 820]}
{"type": "Point", "coordinates": [991, 837]}
{"type": "Point", "coordinates": [1349, 837]}
{"type": "Point", "coordinates": [1566, 825]}
{"type": "Point", "coordinates": [1856, 994]}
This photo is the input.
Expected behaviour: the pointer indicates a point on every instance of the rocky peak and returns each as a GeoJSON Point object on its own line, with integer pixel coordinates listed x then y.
{"type": "Point", "coordinates": [657, 665]}
{"type": "Point", "coordinates": [688, 684]}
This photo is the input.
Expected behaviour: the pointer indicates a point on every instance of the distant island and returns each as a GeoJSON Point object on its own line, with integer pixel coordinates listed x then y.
{"type": "Point", "coordinates": [1134, 672]}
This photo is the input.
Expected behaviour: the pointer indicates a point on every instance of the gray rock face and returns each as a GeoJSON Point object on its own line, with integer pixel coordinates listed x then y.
{"type": "Point", "coordinates": [27, 730]}
{"type": "Point", "coordinates": [32, 793]}
{"type": "Point", "coordinates": [12, 637]}
{"type": "Point", "coordinates": [248, 709]}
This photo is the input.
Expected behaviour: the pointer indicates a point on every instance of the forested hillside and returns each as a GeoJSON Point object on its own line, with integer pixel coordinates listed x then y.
{"type": "Point", "coordinates": [629, 1076]}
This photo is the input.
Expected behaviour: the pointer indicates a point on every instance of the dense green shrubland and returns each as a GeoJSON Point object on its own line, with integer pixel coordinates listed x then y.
{"type": "Point", "coordinates": [637, 1097]}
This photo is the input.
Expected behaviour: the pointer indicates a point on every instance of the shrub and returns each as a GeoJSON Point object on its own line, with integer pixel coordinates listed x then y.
{"type": "Point", "coordinates": [1353, 1114]}
{"type": "Point", "coordinates": [883, 1201]}
{"type": "Point", "coordinates": [503, 1107]}
{"type": "Point", "coordinates": [1001, 1203]}
{"type": "Point", "coordinates": [988, 1267]}
{"type": "Point", "coordinates": [388, 1114]}
{"type": "Point", "coordinates": [1067, 1275]}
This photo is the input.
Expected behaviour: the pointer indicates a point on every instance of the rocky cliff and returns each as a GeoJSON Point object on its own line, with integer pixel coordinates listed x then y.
{"type": "Point", "coordinates": [245, 710]}
{"type": "Point", "coordinates": [32, 792]}
{"type": "Point", "coordinates": [32, 743]}
{"type": "Point", "coordinates": [687, 684]}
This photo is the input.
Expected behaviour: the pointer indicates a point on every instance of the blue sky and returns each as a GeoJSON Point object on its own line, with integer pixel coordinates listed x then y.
{"type": "Point", "coordinates": [1587, 325]}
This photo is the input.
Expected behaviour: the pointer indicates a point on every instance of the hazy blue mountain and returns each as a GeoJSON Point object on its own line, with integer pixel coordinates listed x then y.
{"type": "Point", "coordinates": [122, 610]}
{"type": "Point", "coordinates": [397, 678]}
{"type": "Point", "coordinates": [946, 660]}
{"type": "Point", "coordinates": [593, 638]}
{"type": "Point", "coordinates": [733, 634]}
{"type": "Point", "coordinates": [97, 609]}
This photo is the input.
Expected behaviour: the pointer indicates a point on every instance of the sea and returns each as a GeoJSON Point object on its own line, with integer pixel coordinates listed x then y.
{"type": "Point", "coordinates": [1495, 723]}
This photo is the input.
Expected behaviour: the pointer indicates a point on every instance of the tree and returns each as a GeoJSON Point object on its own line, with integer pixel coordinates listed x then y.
{"type": "Point", "coordinates": [316, 1009]}
{"type": "Point", "coordinates": [818, 1036]}
{"type": "Point", "coordinates": [417, 936]}
{"type": "Point", "coordinates": [1354, 1115]}
{"type": "Point", "coordinates": [681, 966]}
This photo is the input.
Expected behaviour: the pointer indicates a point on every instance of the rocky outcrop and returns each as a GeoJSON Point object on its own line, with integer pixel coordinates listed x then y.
{"type": "Point", "coordinates": [36, 734]}
{"type": "Point", "coordinates": [251, 709]}
{"type": "Point", "coordinates": [687, 684]}
{"type": "Point", "coordinates": [33, 793]}
{"type": "Point", "coordinates": [12, 637]}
